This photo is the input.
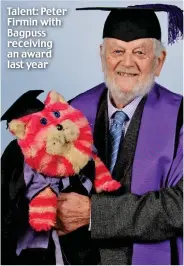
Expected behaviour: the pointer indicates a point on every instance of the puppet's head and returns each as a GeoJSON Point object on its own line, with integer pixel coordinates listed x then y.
{"type": "Point", "coordinates": [55, 138]}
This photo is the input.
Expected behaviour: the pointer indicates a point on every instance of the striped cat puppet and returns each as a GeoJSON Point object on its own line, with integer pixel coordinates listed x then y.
{"type": "Point", "coordinates": [57, 142]}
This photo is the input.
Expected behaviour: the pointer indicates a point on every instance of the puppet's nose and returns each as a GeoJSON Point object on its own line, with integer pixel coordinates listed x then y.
{"type": "Point", "coordinates": [59, 127]}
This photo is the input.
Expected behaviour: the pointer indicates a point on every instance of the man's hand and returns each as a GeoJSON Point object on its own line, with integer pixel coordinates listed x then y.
{"type": "Point", "coordinates": [73, 211]}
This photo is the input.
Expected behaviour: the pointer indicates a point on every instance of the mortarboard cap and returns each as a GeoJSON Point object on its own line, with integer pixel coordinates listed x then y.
{"type": "Point", "coordinates": [140, 21]}
{"type": "Point", "coordinates": [26, 104]}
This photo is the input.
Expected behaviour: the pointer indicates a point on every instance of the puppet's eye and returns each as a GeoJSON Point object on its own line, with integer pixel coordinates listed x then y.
{"type": "Point", "coordinates": [56, 114]}
{"type": "Point", "coordinates": [43, 121]}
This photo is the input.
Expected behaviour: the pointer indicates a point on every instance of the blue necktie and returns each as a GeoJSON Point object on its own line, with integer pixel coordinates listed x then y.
{"type": "Point", "coordinates": [116, 132]}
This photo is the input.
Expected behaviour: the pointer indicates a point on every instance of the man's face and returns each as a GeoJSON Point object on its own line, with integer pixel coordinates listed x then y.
{"type": "Point", "coordinates": [129, 65]}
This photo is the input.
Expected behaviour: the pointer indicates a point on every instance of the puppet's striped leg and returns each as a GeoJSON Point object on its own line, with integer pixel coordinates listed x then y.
{"type": "Point", "coordinates": [42, 210]}
{"type": "Point", "coordinates": [103, 179]}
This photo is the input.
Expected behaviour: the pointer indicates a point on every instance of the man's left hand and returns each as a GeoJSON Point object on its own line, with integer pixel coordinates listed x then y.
{"type": "Point", "coordinates": [73, 211]}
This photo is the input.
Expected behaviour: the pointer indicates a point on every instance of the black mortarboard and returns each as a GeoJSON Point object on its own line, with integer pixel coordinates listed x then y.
{"type": "Point", "coordinates": [140, 21]}
{"type": "Point", "coordinates": [26, 104]}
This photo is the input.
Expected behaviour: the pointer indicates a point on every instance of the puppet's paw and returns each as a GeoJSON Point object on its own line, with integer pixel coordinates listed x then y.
{"type": "Point", "coordinates": [42, 210]}
{"type": "Point", "coordinates": [108, 186]}
{"type": "Point", "coordinates": [45, 224]}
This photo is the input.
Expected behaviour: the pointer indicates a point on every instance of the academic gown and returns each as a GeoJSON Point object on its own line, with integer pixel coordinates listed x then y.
{"type": "Point", "coordinates": [143, 224]}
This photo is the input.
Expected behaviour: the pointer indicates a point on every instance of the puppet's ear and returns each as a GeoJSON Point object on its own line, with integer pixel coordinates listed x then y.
{"type": "Point", "coordinates": [54, 97]}
{"type": "Point", "coordinates": [17, 127]}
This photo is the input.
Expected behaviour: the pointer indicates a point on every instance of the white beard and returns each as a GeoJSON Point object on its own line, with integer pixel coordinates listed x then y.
{"type": "Point", "coordinates": [124, 98]}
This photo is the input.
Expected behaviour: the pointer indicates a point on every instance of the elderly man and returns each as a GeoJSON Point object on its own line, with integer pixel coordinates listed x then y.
{"type": "Point", "coordinates": [137, 128]}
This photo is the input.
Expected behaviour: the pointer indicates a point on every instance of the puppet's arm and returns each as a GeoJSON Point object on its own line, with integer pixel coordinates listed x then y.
{"type": "Point", "coordinates": [103, 179]}
{"type": "Point", "coordinates": [42, 210]}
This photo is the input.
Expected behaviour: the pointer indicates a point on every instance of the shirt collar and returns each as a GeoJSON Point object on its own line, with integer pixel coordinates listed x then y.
{"type": "Point", "coordinates": [129, 109]}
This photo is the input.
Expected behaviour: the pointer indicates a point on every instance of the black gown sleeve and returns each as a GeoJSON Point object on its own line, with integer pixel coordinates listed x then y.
{"type": "Point", "coordinates": [11, 170]}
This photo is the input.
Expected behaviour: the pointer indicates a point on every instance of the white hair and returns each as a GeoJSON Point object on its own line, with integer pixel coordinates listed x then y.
{"type": "Point", "coordinates": [158, 47]}
{"type": "Point", "coordinates": [121, 97]}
